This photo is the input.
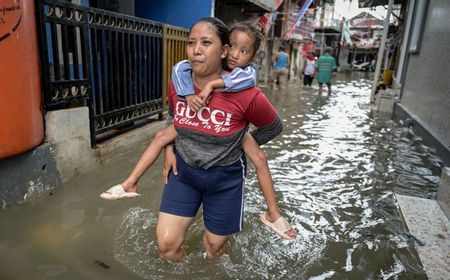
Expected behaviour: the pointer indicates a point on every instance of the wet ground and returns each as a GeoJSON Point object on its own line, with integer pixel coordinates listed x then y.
{"type": "Point", "coordinates": [335, 168]}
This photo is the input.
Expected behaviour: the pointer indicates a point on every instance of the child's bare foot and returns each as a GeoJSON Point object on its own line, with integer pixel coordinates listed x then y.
{"type": "Point", "coordinates": [129, 186]}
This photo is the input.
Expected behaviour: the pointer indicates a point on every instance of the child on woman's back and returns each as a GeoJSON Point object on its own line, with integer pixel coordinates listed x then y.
{"type": "Point", "coordinates": [244, 42]}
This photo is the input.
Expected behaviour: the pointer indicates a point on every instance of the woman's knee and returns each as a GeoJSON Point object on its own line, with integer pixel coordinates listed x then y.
{"type": "Point", "coordinates": [170, 233]}
{"type": "Point", "coordinates": [168, 245]}
{"type": "Point", "coordinates": [214, 244]}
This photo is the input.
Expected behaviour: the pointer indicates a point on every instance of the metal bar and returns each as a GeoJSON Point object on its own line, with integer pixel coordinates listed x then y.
{"type": "Point", "coordinates": [158, 66]}
{"type": "Point", "coordinates": [76, 65]}
{"type": "Point", "coordinates": [104, 63]}
{"type": "Point", "coordinates": [86, 59]}
{"type": "Point", "coordinates": [129, 67]}
{"type": "Point", "coordinates": [116, 79]}
{"type": "Point", "coordinates": [110, 81]}
{"type": "Point", "coordinates": [65, 52]}
{"type": "Point", "coordinates": [96, 80]}
{"type": "Point", "coordinates": [151, 75]}
{"type": "Point", "coordinates": [165, 73]}
{"type": "Point", "coordinates": [44, 57]}
{"type": "Point", "coordinates": [135, 67]}
{"type": "Point", "coordinates": [138, 69]}
{"type": "Point", "coordinates": [141, 68]}
{"type": "Point", "coordinates": [55, 51]}
{"type": "Point", "coordinates": [124, 70]}
{"type": "Point", "coordinates": [146, 69]}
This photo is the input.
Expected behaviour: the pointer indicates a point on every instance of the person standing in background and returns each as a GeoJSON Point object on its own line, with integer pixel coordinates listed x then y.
{"type": "Point", "coordinates": [309, 69]}
{"type": "Point", "coordinates": [326, 67]}
{"type": "Point", "coordinates": [281, 65]}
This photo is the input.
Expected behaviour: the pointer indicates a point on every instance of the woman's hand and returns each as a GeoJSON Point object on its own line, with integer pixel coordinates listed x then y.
{"type": "Point", "coordinates": [170, 162]}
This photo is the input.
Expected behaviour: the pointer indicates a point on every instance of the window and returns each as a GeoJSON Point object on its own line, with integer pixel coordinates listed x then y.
{"type": "Point", "coordinates": [420, 11]}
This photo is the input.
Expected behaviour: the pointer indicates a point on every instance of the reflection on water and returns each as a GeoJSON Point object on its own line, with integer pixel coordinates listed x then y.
{"type": "Point", "coordinates": [335, 169]}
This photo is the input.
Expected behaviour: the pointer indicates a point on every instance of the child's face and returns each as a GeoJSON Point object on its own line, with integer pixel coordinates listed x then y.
{"type": "Point", "coordinates": [241, 50]}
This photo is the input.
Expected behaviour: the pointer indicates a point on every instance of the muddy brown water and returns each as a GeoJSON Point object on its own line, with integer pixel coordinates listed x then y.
{"type": "Point", "coordinates": [335, 167]}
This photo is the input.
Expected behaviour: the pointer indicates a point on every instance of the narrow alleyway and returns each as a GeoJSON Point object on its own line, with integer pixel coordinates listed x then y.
{"type": "Point", "coordinates": [335, 169]}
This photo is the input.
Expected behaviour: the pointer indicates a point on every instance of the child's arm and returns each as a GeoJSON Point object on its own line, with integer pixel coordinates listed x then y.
{"type": "Point", "coordinates": [210, 86]}
{"type": "Point", "coordinates": [162, 138]}
{"type": "Point", "coordinates": [240, 79]}
{"type": "Point", "coordinates": [184, 87]}
{"type": "Point", "coordinates": [235, 81]}
{"type": "Point", "coordinates": [259, 159]}
{"type": "Point", "coordinates": [182, 80]}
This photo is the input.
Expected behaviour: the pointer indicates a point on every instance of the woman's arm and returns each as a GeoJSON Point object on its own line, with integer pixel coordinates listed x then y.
{"type": "Point", "coordinates": [169, 154]}
{"type": "Point", "coordinates": [263, 115]}
{"type": "Point", "coordinates": [262, 135]}
{"type": "Point", "coordinates": [170, 163]}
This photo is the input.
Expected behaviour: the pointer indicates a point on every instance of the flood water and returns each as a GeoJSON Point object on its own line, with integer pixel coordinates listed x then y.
{"type": "Point", "coordinates": [336, 169]}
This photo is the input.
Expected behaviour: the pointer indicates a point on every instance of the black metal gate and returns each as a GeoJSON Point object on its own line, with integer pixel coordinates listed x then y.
{"type": "Point", "coordinates": [110, 62]}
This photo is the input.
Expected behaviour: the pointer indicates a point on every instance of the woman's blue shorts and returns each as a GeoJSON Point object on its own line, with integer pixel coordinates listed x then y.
{"type": "Point", "coordinates": [219, 188]}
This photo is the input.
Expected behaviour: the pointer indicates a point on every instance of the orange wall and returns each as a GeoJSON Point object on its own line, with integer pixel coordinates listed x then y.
{"type": "Point", "coordinates": [21, 118]}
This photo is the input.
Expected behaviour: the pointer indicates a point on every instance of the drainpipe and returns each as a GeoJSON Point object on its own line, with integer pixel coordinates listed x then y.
{"type": "Point", "coordinates": [322, 19]}
{"type": "Point", "coordinates": [381, 50]}
{"type": "Point", "coordinates": [269, 53]}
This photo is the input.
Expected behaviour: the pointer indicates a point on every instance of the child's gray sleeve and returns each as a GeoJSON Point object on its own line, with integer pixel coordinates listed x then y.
{"type": "Point", "coordinates": [182, 80]}
{"type": "Point", "coordinates": [240, 79]}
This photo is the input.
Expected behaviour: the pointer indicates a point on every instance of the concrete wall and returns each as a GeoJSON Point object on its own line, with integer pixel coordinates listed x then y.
{"type": "Point", "coordinates": [426, 89]}
{"type": "Point", "coordinates": [28, 174]}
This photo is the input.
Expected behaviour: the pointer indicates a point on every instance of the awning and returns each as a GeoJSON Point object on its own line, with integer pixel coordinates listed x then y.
{"type": "Point", "coordinates": [329, 30]}
{"type": "Point", "coordinates": [374, 3]}
{"type": "Point", "coordinates": [255, 6]}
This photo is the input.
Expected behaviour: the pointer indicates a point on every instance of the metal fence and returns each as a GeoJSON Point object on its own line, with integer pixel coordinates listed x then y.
{"type": "Point", "coordinates": [175, 39]}
{"type": "Point", "coordinates": [115, 64]}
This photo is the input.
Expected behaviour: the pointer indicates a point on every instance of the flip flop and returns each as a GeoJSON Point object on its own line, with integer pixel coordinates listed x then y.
{"type": "Point", "coordinates": [117, 192]}
{"type": "Point", "coordinates": [280, 226]}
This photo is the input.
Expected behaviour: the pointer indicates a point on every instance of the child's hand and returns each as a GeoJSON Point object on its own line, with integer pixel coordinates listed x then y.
{"type": "Point", "coordinates": [195, 102]}
{"type": "Point", "coordinates": [205, 93]}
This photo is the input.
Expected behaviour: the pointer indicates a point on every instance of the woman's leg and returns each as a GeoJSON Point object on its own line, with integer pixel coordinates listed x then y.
{"type": "Point", "coordinates": [170, 233]}
{"type": "Point", "coordinates": [180, 202]}
{"type": "Point", "coordinates": [214, 244]}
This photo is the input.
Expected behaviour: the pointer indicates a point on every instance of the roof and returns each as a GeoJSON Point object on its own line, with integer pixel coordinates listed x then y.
{"type": "Point", "coordinates": [365, 20]}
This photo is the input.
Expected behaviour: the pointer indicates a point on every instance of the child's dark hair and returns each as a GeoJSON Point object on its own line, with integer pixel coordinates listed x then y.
{"type": "Point", "coordinates": [221, 28]}
{"type": "Point", "coordinates": [250, 29]}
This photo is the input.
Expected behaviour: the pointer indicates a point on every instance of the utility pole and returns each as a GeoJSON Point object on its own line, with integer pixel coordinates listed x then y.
{"type": "Point", "coordinates": [269, 53]}
{"type": "Point", "coordinates": [322, 19]}
{"type": "Point", "coordinates": [381, 50]}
